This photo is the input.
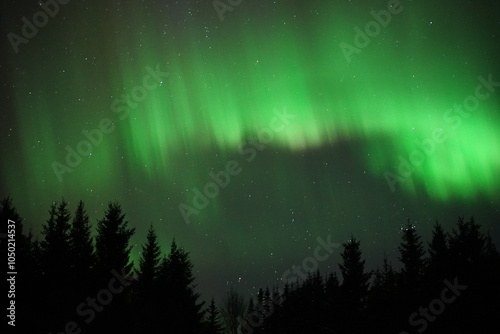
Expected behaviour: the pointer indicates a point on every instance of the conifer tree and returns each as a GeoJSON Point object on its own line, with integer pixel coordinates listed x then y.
{"type": "Point", "coordinates": [213, 320]}
{"type": "Point", "coordinates": [354, 288]}
{"type": "Point", "coordinates": [332, 287]}
{"type": "Point", "coordinates": [113, 242]}
{"type": "Point", "coordinates": [251, 306]}
{"type": "Point", "coordinates": [254, 319]}
{"type": "Point", "coordinates": [147, 312]}
{"type": "Point", "coordinates": [467, 245]}
{"type": "Point", "coordinates": [383, 299]}
{"type": "Point", "coordinates": [260, 296]}
{"type": "Point", "coordinates": [182, 309]}
{"type": "Point", "coordinates": [81, 250]}
{"type": "Point", "coordinates": [56, 242]}
{"type": "Point", "coordinates": [7, 212]}
{"type": "Point", "coordinates": [150, 260]}
{"type": "Point", "coordinates": [113, 258]}
{"type": "Point", "coordinates": [439, 257]}
{"type": "Point", "coordinates": [355, 281]}
{"type": "Point", "coordinates": [411, 255]}
{"type": "Point", "coordinates": [55, 250]}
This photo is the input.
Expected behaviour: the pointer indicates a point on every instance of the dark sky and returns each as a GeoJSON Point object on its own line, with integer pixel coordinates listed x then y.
{"type": "Point", "coordinates": [320, 118]}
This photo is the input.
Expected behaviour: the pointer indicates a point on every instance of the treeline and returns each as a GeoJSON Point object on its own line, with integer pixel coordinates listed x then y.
{"type": "Point", "coordinates": [71, 282]}
{"type": "Point", "coordinates": [449, 285]}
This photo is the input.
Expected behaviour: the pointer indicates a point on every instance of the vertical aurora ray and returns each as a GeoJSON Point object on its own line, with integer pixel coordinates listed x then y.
{"type": "Point", "coordinates": [214, 100]}
{"type": "Point", "coordinates": [389, 91]}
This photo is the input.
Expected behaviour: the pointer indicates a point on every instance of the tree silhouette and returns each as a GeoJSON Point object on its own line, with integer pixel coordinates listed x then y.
{"type": "Point", "coordinates": [383, 299]}
{"type": "Point", "coordinates": [251, 306]}
{"type": "Point", "coordinates": [355, 283]}
{"type": "Point", "coordinates": [470, 263]}
{"type": "Point", "coordinates": [55, 248]}
{"type": "Point", "coordinates": [213, 321]}
{"type": "Point", "coordinates": [113, 242]}
{"type": "Point", "coordinates": [145, 287]}
{"type": "Point", "coordinates": [81, 253]}
{"type": "Point", "coordinates": [439, 262]}
{"type": "Point", "coordinates": [411, 255]}
{"type": "Point", "coordinates": [233, 311]}
{"type": "Point", "coordinates": [8, 211]}
{"type": "Point", "coordinates": [163, 298]}
{"type": "Point", "coordinates": [113, 253]}
{"type": "Point", "coordinates": [355, 280]}
{"type": "Point", "coordinates": [439, 253]}
{"type": "Point", "coordinates": [254, 319]}
{"type": "Point", "coordinates": [183, 312]}
{"type": "Point", "coordinates": [332, 291]}
{"type": "Point", "coordinates": [150, 260]}
{"type": "Point", "coordinates": [56, 242]}
{"type": "Point", "coordinates": [467, 245]}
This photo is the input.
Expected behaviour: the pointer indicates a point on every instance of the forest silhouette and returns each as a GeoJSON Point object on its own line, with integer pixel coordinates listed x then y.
{"type": "Point", "coordinates": [72, 281]}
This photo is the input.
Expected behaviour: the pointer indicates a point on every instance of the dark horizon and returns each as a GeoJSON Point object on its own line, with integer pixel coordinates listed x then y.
{"type": "Point", "coordinates": [214, 286]}
{"type": "Point", "coordinates": [68, 266]}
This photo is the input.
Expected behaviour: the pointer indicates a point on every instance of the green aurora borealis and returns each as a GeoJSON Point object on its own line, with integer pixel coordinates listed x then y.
{"type": "Point", "coordinates": [322, 174]}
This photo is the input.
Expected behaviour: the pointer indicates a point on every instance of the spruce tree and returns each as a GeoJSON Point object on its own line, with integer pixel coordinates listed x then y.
{"type": "Point", "coordinates": [56, 242]}
{"type": "Point", "coordinates": [150, 260]}
{"type": "Point", "coordinates": [113, 242]}
{"type": "Point", "coordinates": [113, 258]}
{"type": "Point", "coordinates": [332, 287]}
{"type": "Point", "coordinates": [439, 257]}
{"type": "Point", "coordinates": [81, 251]}
{"type": "Point", "coordinates": [253, 320]}
{"type": "Point", "coordinates": [145, 288]}
{"type": "Point", "coordinates": [183, 312]}
{"type": "Point", "coordinates": [213, 320]}
{"type": "Point", "coordinates": [411, 255]}
{"type": "Point", "coordinates": [55, 248]}
{"type": "Point", "coordinates": [260, 296]}
{"type": "Point", "coordinates": [7, 212]}
{"type": "Point", "coordinates": [354, 287]}
{"type": "Point", "coordinates": [355, 281]}
{"type": "Point", "coordinates": [383, 299]}
{"type": "Point", "coordinates": [467, 245]}
{"type": "Point", "coordinates": [251, 306]}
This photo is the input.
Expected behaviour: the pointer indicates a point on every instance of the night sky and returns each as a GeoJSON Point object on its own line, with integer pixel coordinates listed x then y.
{"type": "Point", "coordinates": [320, 129]}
